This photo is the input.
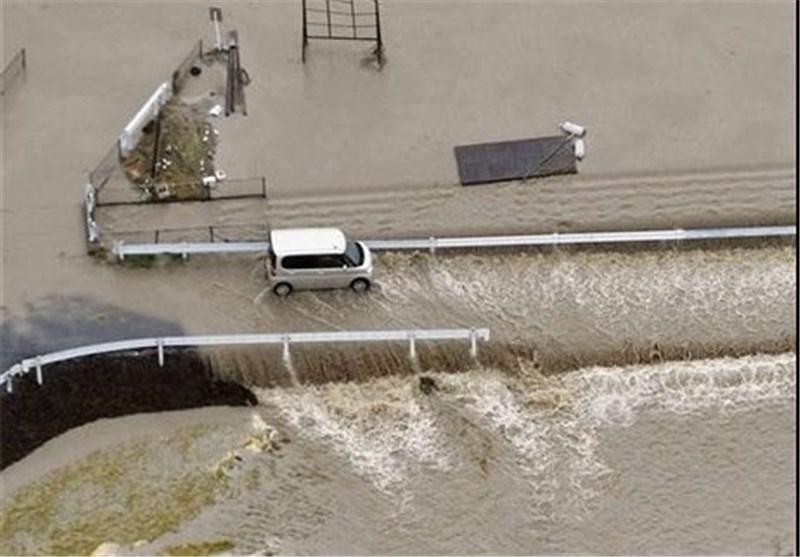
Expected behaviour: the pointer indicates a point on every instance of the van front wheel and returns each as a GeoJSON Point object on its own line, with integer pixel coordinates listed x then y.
{"type": "Point", "coordinates": [282, 289]}
{"type": "Point", "coordinates": [360, 285]}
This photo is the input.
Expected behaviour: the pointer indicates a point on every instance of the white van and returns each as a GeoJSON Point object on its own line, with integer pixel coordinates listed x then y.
{"type": "Point", "coordinates": [315, 258]}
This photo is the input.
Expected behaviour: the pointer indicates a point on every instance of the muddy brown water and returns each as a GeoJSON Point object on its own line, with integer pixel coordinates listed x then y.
{"type": "Point", "coordinates": [686, 458]}
{"type": "Point", "coordinates": [687, 128]}
{"type": "Point", "coordinates": [521, 452]}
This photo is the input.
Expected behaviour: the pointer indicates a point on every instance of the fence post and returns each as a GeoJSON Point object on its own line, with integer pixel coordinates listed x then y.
{"type": "Point", "coordinates": [264, 186]}
{"type": "Point", "coordinates": [161, 352]}
{"type": "Point", "coordinates": [157, 235]}
{"type": "Point", "coordinates": [211, 233]}
{"type": "Point", "coordinates": [24, 60]}
{"type": "Point", "coordinates": [473, 343]}
{"type": "Point", "coordinates": [286, 348]}
{"type": "Point", "coordinates": [118, 249]}
{"type": "Point", "coordinates": [378, 37]}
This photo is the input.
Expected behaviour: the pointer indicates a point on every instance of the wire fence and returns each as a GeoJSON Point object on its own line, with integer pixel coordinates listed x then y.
{"type": "Point", "coordinates": [105, 169]}
{"type": "Point", "coordinates": [210, 189]}
{"type": "Point", "coordinates": [126, 141]}
{"type": "Point", "coordinates": [230, 233]}
{"type": "Point", "coordinates": [13, 71]}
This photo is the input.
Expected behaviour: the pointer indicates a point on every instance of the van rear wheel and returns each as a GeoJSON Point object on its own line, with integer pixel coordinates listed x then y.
{"type": "Point", "coordinates": [282, 289]}
{"type": "Point", "coordinates": [360, 285]}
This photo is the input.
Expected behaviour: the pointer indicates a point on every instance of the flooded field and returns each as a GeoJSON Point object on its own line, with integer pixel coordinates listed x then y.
{"type": "Point", "coordinates": [598, 460]}
{"type": "Point", "coordinates": [630, 401]}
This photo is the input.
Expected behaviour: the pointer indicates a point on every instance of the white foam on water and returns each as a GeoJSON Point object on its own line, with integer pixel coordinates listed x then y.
{"type": "Point", "coordinates": [387, 433]}
{"type": "Point", "coordinates": [614, 395]}
{"type": "Point", "coordinates": [380, 428]}
{"type": "Point", "coordinates": [683, 296]}
{"type": "Point", "coordinates": [551, 422]}
{"type": "Point", "coordinates": [555, 449]}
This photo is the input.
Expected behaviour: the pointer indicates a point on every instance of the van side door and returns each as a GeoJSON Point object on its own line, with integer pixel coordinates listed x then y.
{"type": "Point", "coordinates": [332, 271]}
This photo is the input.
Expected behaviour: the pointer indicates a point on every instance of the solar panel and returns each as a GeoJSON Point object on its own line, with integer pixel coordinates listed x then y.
{"type": "Point", "coordinates": [485, 163]}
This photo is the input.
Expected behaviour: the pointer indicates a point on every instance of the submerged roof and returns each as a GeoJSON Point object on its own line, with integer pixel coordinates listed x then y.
{"type": "Point", "coordinates": [307, 241]}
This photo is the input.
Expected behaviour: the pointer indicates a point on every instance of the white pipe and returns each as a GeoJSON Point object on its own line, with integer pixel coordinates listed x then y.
{"type": "Point", "coordinates": [571, 128]}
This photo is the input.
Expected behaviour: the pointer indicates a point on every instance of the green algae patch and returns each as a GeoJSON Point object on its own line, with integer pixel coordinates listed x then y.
{"type": "Point", "coordinates": [133, 492]}
{"type": "Point", "coordinates": [202, 548]}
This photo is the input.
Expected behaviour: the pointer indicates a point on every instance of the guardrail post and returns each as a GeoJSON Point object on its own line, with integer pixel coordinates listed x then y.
{"type": "Point", "coordinates": [160, 352]}
{"type": "Point", "coordinates": [39, 378]}
{"type": "Point", "coordinates": [9, 386]}
{"type": "Point", "coordinates": [286, 354]}
{"type": "Point", "coordinates": [118, 248]}
{"type": "Point", "coordinates": [473, 343]}
{"type": "Point", "coordinates": [412, 346]}
{"type": "Point", "coordinates": [185, 253]}
{"type": "Point", "coordinates": [432, 248]}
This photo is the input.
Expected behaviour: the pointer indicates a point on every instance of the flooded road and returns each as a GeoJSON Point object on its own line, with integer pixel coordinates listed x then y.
{"type": "Point", "coordinates": [532, 448]}
{"type": "Point", "coordinates": [567, 310]}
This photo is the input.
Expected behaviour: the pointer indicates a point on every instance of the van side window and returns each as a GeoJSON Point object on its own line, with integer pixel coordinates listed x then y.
{"type": "Point", "coordinates": [312, 262]}
{"type": "Point", "coordinates": [330, 261]}
{"type": "Point", "coordinates": [299, 262]}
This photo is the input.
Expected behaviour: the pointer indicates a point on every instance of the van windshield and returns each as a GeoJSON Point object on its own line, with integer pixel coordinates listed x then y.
{"type": "Point", "coordinates": [354, 254]}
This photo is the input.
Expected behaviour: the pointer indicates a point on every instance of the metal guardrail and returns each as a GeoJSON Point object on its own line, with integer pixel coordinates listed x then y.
{"type": "Point", "coordinates": [121, 249]}
{"type": "Point", "coordinates": [285, 339]}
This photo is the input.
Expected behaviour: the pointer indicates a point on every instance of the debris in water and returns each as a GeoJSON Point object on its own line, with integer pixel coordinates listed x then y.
{"type": "Point", "coordinates": [427, 385]}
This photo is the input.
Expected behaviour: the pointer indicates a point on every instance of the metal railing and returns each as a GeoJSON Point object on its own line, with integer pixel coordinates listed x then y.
{"type": "Point", "coordinates": [202, 237]}
{"type": "Point", "coordinates": [411, 336]}
{"type": "Point", "coordinates": [121, 249]}
{"type": "Point", "coordinates": [343, 20]}
{"type": "Point", "coordinates": [254, 187]}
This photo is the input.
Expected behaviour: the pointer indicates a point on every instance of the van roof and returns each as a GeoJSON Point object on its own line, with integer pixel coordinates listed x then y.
{"type": "Point", "coordinates": [307, 241]}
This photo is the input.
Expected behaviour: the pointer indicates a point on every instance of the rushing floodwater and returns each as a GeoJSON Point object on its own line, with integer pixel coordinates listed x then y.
{"type": "Point", "coordinates": [691, 457]}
